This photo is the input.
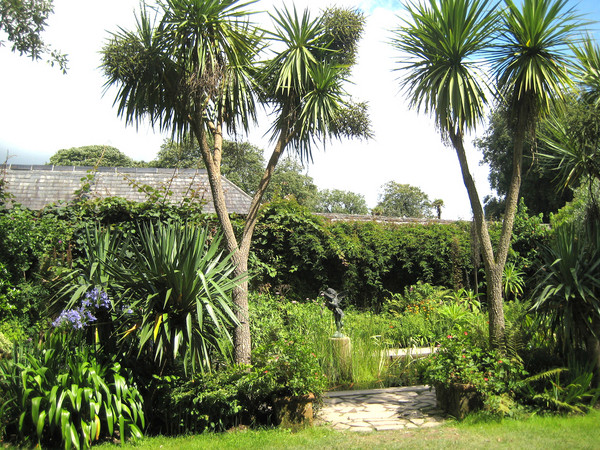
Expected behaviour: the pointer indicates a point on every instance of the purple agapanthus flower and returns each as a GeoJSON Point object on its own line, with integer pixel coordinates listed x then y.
{"type": "Point", "coordinates": [71, 318]}
{"type": "Point", "coordinates": [104, 301]}
{"type": "Point", "coordinates": [97, 298]}
{"type": "Point", "coordinates": [127, 309]}
{"type": "Point", "coordinates": [82, 316]}
{"type": "Point", "coordinates": [90, 317]}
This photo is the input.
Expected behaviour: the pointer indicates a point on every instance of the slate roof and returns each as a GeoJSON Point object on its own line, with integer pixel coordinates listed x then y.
{"type": "Point", "coordinates": [35, 186]}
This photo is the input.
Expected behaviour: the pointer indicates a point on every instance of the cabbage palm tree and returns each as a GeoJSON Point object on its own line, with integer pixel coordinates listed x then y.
{"type": "Point", "coordinates": [448, 42]}
{"type": "Point", "coordinates": [189, 70]}
{"type": "Point", "coordinates": [302, 84]}
{"type": "Point", "coordinates": [193, 70]}
{"type": "Point", "coordinates": [443, 43]}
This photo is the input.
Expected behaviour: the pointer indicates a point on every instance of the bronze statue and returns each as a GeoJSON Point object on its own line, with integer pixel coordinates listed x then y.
{"type": "Point", "coordinates": [333, 300]}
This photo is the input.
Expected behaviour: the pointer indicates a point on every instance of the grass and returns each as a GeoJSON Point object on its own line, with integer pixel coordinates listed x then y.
{"type": "Point", "coordinates": [576, 432]}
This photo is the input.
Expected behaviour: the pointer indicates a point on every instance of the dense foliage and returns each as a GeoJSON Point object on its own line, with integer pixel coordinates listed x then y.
{"type": "Point", "coordinates": [169, 286]}
{"type": "Point", "coordinates": [141, 307]}
{"type": "Point", "coordinates": [538, 187]}
{"type": "Point", "coordinates": [55, 394]}
{"type": "Point", "coordinates": [116, 318]}
{"type": "Point", "coordinates": [303, 253]}
{"type": "Point", "coordinates": [337, 201]}
{"type": "Point", "coordinates": [93, 156]}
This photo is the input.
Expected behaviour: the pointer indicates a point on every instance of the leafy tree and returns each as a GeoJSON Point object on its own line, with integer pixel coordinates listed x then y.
{"type": "Point", "coordinates": [184, 154]}
{"type": "Point", "coordinates": [193, 70]}
{"type": "Point", "coordinates": [527, 47]}
{"type": "Point", "coordinates": [538, 186]}
{"type": "Point", "coordinates": [24, 21]}
{"type": "Point", "coordinates": [340, 202]}
{"type": "Point", "coordinates": [243, 163]}
{"type": "Point", "coordinates": [288, 179]}
{"type": "Point", "coordinates": [403, 200]}
{"type": "Point", "coordinates": [572, 134]}
{"type": "Point", "coordinates": [92, 155]}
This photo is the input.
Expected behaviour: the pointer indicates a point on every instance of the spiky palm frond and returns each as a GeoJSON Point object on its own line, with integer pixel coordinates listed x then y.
{"type": "Point", "coordinates": [573, 154]}
{"type": "Point", "coordinates": [304, 83]}
{"type": "Point", "coordinates": [443, 43]}
{"type": "Point", "coordinates": [302, 40]}
{"type": "Point", "coordinates": [569, 289]}
{"type": "Point", "coordinates": [588, 71]}
{"type": "Point", "coordinates": [189, 62]}
{"type": "Point", "coordinates": [180, 280]}
{"type": "Point", "coordinates": [533, 62]}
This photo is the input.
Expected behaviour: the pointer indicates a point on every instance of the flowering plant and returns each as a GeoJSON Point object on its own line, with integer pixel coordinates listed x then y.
{"type": "Point", "coordinates": [460, 360]}
{"type": "Point", "coordinates": [96, 308]}
{"type": "Point", "coordinates": [94, 301]}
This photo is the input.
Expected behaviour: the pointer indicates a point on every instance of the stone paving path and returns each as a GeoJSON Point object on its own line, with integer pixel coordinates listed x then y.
{"type": "Point", "coordinates": [381, 409]}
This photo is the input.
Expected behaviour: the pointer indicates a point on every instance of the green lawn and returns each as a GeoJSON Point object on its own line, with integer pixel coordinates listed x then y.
{"type": "Point", "coordinates": [581, 432]}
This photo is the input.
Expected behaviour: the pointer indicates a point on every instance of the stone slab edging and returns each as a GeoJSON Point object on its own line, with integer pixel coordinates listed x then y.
{"type": "Point", "coordinates": [398, 408]}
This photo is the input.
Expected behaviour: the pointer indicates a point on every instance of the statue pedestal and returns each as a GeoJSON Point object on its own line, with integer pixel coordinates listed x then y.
{"type": "Point", "coordinates": [342, 357]}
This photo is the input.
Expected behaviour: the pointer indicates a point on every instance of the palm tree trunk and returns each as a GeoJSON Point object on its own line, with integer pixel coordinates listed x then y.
{"type": "Point", "coordinates": [241, 333]}
{"type": "Point", "coordinates": [241, 250]}
{"type": "Point", "coordinates": [242, 344]}
{"type": "Point", "coordinates": [493, 272]}
{"type": "Point", "coordinates": [495, 305]}
{"type": "Point", "coordinates": [512, 198]}
{"type": "Point", "coordinates": [252, 216]}
{"type": "Point", "coordinates": [494, 265]}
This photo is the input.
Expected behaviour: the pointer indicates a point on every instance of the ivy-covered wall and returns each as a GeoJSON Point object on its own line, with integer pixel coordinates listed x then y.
{"type": "Point", "coordinates": [302, 253]}
{"type": "Point", "coordinates": [294, 252]}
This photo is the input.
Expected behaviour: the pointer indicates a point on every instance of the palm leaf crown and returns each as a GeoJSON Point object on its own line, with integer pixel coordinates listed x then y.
{"type": "Point", "coordinates": [189, 61]}
{"type": "Point", "coordinates": [444, 44]}
{"type": "Point", "coordinates": [303, 81]}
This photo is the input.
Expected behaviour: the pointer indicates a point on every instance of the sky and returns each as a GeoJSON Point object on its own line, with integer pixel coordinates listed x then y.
{"type": "Point", "coordinates": [42, 110]}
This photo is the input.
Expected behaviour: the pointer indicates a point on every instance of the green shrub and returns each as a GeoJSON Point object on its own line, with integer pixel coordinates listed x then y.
{"type": "Point", "coordinates": [31, 242]}
{"type": "Point", "coordinates": [295, 250]}
{"type": "Point", "coordinates": [170, 292]}
{"type": "Point", "coordinates": [287, 368]}
{"type": "Point", "coordinates": [237, 395]}
{"type": "Point", "coordinates": [460, 359]}
{"type": "Point", "coordinates": [57, 396]}
{"type": "Point", "coordinates": [419, 297]}
{"type": "Point", "coordinates": [26, 313]}
{"type": "Point", "coordinates": [367, 260]}
{"type": "Point", "coordinates": [211, 402]}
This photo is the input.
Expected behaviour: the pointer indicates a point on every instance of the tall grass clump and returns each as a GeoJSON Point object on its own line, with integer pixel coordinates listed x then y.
{"type": "Point", "coordinates": [371, 335]}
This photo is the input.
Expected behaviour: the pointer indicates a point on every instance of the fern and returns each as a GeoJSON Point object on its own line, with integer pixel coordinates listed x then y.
{"type": "Point", "coordinates": [550, 401]}
{"type": "Point", "coordinates": [547, 375]}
